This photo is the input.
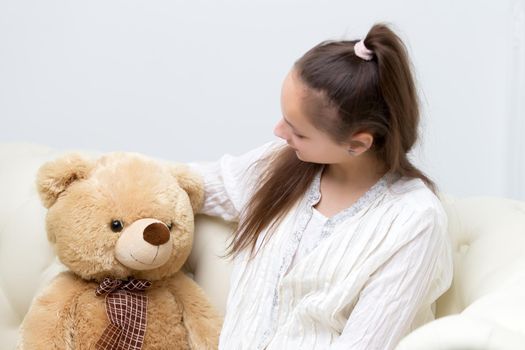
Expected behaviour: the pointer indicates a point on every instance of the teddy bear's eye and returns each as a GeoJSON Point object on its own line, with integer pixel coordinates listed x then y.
{"type": "Point", "coordinates": [116, 225]}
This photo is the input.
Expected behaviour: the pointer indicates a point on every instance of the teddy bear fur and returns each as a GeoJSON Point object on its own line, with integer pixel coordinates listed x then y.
{"type": "Point", "coordinates": [83, 197]}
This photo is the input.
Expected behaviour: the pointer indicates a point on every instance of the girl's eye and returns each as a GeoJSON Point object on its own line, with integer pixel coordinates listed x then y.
{"type": "Point", "coordinates": [299, 136]}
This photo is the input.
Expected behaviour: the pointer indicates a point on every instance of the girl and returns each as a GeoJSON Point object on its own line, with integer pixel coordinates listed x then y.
{"type": "Point", "coordinates": [341, 242]}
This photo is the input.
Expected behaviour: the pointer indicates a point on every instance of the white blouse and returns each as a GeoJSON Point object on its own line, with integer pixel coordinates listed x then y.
{"type": "Point", "coordinates": [311, 235]}
{"type": "Point", "coordinates": [361, 279]}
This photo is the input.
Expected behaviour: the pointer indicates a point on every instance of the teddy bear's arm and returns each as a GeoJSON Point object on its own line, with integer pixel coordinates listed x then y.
{"type": "Point", "coordinates": [199, 316]}
{"type": "Point", "coordinates": [49, 321]}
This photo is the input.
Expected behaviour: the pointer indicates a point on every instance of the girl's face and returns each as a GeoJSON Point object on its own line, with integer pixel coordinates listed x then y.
{"type": "Point", "coordinates": [310, 144]}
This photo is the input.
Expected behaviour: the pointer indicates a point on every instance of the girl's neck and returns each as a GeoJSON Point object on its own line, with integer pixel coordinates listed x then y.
{"type": "Point", "coordinates": [360, 172]}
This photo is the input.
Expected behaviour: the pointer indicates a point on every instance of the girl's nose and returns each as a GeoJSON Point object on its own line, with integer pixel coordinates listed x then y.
{"type": "Point", "coordinates": [280, 130]}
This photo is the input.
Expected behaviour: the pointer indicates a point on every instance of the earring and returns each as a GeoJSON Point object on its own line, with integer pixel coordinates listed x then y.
{"type": "Point", "coordinates": [351, 151]}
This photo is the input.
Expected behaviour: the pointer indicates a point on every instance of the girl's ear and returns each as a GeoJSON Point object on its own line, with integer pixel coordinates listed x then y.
{"type": "Point", "coordinates": [361, 142]}
{"type": "Point", "coordinates": [190, 182]}
{"type": "Point", "coordinates": [55, 176]}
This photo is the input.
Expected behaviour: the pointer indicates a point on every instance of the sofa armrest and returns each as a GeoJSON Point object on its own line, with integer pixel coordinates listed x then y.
{"type": "Point", "coordinates": [461, 332]}
{"type": "Point", "coordinates": [494, 322]}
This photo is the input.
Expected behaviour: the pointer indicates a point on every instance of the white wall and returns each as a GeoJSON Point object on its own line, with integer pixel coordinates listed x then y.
{"type": "Point", "coordinates": [191, 80]}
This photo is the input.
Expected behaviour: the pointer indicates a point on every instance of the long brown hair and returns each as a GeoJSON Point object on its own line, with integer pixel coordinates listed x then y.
{"type": "Point", "coordinates": [346, 95]}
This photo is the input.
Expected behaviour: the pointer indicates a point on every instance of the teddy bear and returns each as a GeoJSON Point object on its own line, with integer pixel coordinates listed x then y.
{"type": "Point", "coordinates": [123, 226]}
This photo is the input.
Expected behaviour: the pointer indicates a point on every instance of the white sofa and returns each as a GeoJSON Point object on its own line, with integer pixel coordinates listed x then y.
{"type": "Point", "coordinates": [484, 308]}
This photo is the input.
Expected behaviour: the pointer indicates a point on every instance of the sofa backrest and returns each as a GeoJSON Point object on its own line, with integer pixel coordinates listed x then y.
{"type": "Point", "coordinates": [488, 241]}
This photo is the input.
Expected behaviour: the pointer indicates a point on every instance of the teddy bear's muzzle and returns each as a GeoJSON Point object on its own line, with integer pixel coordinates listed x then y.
{"type": "Point", "coordinates": [144, 245]}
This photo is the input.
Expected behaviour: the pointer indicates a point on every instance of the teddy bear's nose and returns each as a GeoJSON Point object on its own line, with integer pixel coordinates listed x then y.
{"type": "Point", "coordinates": [156, 234]}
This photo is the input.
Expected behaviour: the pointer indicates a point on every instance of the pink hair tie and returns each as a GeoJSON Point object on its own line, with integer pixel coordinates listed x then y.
{"type": "Point", "coordinates": [361, 51]}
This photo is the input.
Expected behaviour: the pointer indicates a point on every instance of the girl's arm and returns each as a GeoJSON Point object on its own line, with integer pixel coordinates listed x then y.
{"type": "Point", "coordinates": [229, 180]}
{"type": "Point", "coordinates": [417, 274]}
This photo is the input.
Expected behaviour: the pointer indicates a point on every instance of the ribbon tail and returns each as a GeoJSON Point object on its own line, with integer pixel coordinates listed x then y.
{"type": "Point", "coordinates": [134, 327]}
{"type": "Point", "coordinates": [110, 338]}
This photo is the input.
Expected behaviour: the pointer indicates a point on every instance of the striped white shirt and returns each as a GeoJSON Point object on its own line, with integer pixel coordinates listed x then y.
{"type": "Point", "coordinates": [361, 279]}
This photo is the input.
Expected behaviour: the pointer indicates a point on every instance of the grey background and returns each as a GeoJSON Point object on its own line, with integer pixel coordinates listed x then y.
{"type": "Point", "coordinates": [192, 80]}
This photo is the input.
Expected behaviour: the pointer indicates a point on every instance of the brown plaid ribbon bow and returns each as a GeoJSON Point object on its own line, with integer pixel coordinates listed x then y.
{"type": "Point", "coordinates": [126, 305]}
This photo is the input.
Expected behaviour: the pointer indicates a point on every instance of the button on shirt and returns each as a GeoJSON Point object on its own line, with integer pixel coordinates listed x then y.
{"type": "Point", "coordinates": [361, 279]}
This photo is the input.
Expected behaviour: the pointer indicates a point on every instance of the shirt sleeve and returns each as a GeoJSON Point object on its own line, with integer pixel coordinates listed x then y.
{"type": "Point", "coordinates": [414, 276]}
{"type": "Point", "coordinates": [229, 180]}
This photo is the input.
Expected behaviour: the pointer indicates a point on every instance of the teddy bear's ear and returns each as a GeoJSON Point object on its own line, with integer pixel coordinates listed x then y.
{"type": "Point", "coordinates": [55, 176]}
{"type": "Point", "coordinates": [190, 182]}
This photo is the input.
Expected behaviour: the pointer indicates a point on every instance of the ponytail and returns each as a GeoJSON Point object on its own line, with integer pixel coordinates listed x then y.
{"type": "Point", "coordinates": [398, 91]}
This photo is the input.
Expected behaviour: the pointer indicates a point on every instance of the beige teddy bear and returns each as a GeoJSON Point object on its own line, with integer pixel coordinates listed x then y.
{"type": "Point", "coordinates": [123, 226]}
